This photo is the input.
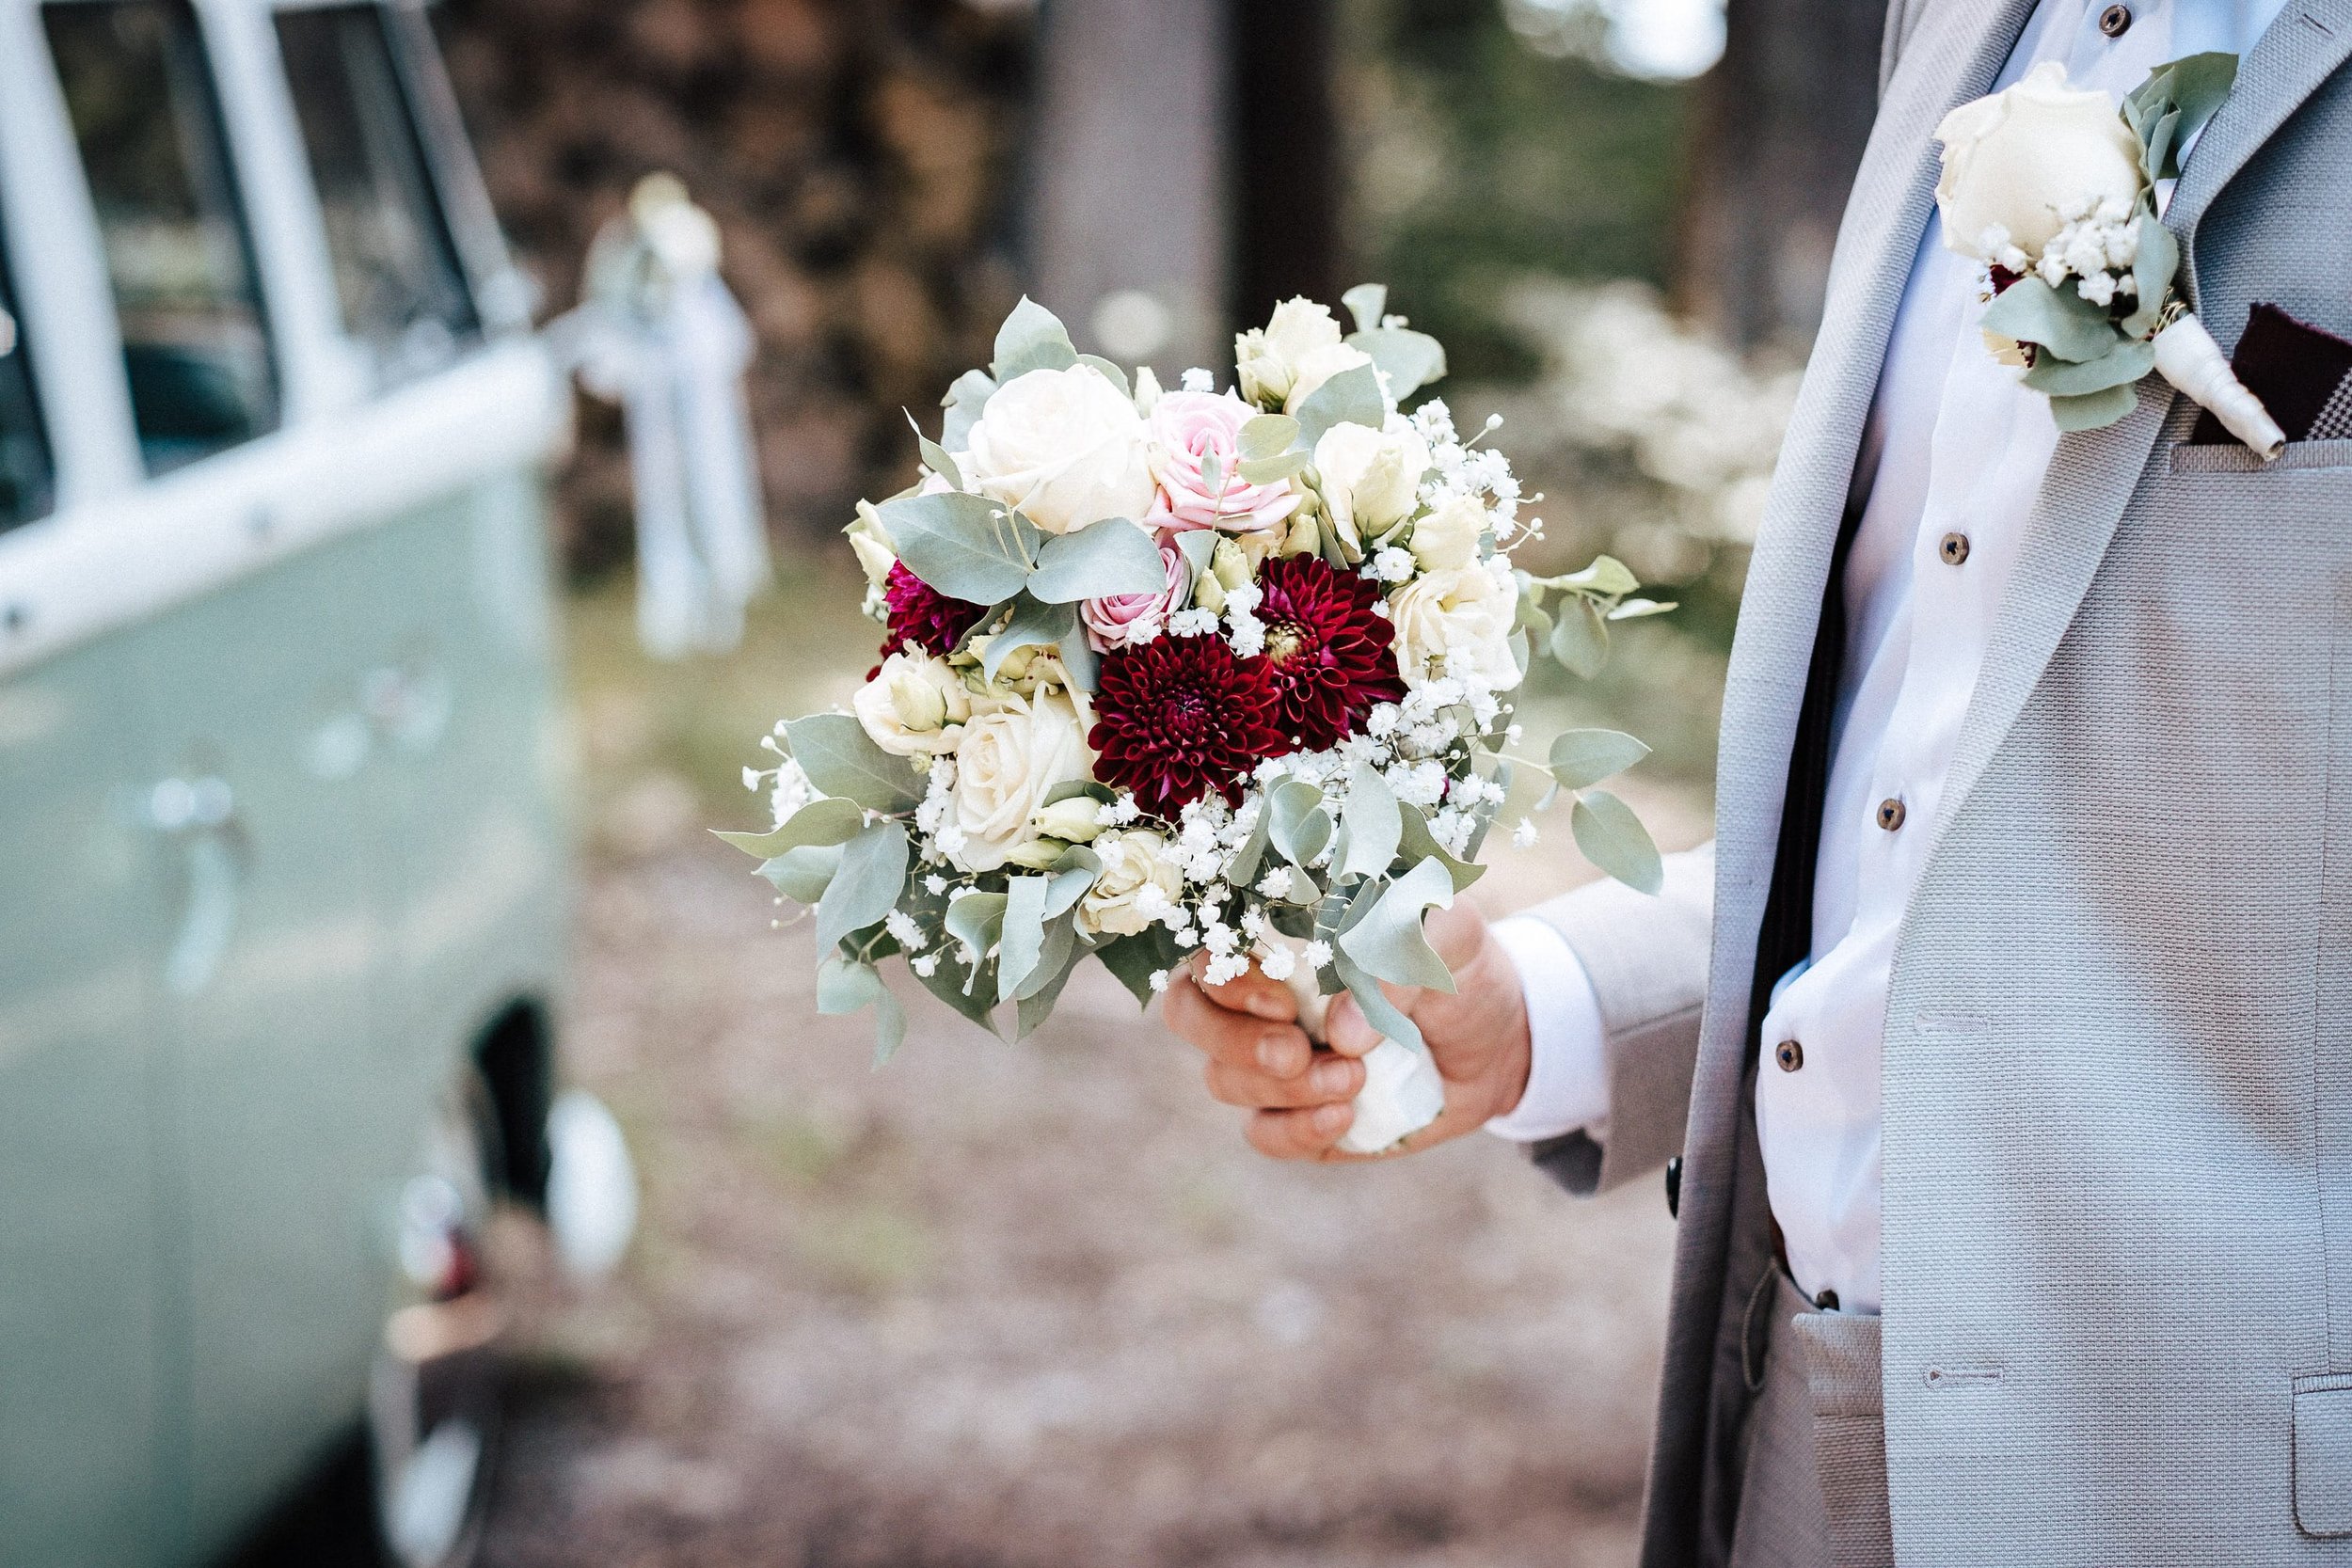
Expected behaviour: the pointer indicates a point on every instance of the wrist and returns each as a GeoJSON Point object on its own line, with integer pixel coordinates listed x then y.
{"type": "Point", "coordinates": [1513, 1063]}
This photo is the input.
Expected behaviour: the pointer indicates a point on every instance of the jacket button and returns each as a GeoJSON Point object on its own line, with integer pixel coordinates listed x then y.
{"type": "Point", "coordinates": [1891, 815]}
{"type": "Point", "coordinates": [1674, 1187]}
{"type": "Point", "coordinates": [1790, 1054]}
{"type": "Point", "coordinates": [2116, 21]}
{"type": "Point", "coordinates": [1954, 550]}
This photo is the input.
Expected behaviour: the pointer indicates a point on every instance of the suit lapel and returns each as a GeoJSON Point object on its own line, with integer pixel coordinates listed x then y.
{"type": "Point", "coordinates": [2094, 473]}
{"type": "Point", "coordinates": [1953, 54]}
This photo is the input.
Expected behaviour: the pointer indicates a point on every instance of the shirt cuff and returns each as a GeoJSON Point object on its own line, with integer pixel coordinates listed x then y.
{"type": "Point", "coordinates": [1567, 1070]}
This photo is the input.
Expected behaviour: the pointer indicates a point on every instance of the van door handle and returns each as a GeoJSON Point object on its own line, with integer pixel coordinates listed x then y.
{"type": "Point", "coordinates": [199, 814]}
{"type": "Point", "coordinates": [410, 707]}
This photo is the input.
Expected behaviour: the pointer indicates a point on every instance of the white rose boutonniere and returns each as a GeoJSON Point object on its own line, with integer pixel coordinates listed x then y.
{"type": "Point", "coordinates": [2054, 191]}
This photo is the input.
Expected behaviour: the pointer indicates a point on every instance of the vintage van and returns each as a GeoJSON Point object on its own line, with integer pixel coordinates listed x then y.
{"type": "Point", "coordinates": [282, 868]}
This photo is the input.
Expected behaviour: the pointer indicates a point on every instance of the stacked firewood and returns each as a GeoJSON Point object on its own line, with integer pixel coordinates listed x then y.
{"type": "Point", "coordinates": [860, 156]}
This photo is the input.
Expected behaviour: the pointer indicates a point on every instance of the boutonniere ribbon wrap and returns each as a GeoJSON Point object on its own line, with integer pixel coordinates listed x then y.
{"type": "Point", "coordinates": [2056, 192]}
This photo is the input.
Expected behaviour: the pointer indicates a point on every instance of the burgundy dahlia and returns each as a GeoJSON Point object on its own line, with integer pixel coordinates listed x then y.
{"type": "Point", "coordinates": [1332, 656]}
{"type": "Point", "coordinates": [923, 615]}
{"type": "Point", "coordinates": [1181, 716]}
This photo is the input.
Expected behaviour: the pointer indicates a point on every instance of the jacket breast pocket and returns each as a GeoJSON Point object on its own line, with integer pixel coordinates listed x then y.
{"type": "Point", "coordinates": [2232, 458]}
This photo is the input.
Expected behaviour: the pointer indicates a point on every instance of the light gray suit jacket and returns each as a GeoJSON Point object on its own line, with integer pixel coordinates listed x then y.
{"type": "Point", "coordinates": [2118, 1242]}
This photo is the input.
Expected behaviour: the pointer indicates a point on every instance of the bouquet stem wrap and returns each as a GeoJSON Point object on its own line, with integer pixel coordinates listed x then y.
{"type": "Point", "coordinates": [2188, 357]}
{"type": "Point", "coordinates": [1402, 1091]}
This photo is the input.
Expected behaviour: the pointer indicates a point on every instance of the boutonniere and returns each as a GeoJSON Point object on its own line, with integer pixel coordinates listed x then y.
{"type": "Point", "coordinates": [2054, 191]}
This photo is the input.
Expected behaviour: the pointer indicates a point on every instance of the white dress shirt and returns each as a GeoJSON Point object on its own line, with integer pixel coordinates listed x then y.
{"type": "Point", "coordinates": [1955, 449]}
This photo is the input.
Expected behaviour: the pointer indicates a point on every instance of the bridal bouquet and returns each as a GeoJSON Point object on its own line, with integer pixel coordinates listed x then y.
{"type": "Point", "coordinates": [1166, 672]}
{"type": "Point", "coordinates": [2055, 193]}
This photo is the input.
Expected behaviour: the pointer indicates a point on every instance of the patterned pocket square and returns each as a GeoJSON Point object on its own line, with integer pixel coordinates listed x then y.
{"type": "Point", "coordinates": [2302, 375]}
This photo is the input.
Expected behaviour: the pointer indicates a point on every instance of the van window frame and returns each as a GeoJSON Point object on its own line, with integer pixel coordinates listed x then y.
{"type": "Point", "coordinates": [13, 326]}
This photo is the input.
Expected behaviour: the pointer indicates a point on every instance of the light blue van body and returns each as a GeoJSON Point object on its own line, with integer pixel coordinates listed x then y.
{"type": "Point", "coordinates": [281, 757]}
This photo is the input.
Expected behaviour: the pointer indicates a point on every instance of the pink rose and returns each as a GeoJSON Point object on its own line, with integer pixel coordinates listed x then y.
{"type": "Point", "coordinates": [1187, 428]}
{"type": "Point", "coordinates": [1126, 618]}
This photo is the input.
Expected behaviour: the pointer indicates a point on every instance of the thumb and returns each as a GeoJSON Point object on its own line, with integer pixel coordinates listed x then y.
{"type": "Point", "coordinates": [1350, 1033]}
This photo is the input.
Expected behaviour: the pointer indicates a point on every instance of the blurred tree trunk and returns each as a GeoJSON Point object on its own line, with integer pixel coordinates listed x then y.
{"type": "Point", "coordinates": [1787, 110]}
{"type": "Point", "coordinates": [1128, 233]}
{"type": "Point", "coordinates": [1287, 179]}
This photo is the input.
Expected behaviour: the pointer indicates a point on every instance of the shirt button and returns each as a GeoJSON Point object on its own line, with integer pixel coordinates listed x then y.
{"type": "Point", "coordinates": [1826, 1301]}
{"type": "Point", "coordinates": [1954, 550]}
{"type": "Point", "coordinates": [2116, 21]}
{"type": "Point", "coordinates": [1790, 1054]}
{"type": "Point", "coordinates": [1891, 815]}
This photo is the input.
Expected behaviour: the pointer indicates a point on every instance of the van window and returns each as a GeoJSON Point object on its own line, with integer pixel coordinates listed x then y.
{"type": "Point", "coordinates": [27, 491]}
{"type": "Point", "coordinates": [396, 268]}
{"type": "Point", "coordinates": [178, 251]}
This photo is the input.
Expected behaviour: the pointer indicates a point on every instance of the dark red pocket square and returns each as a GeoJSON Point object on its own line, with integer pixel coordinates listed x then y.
{"type": "Point", "coordinates": [2302, 375]}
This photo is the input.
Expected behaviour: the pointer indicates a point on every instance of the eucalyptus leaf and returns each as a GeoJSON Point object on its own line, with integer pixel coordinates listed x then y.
{"type": "Point", "coordinates": [2061, 322]}
{"type": "Point", "coordinates": [1135, 959]}
{"type": "Point", "coordinates": [968, 547]}
{"type": "Point", "coordinates": [1635, 610]}
{"type": "Point", "coordinates": [1351, 397]}
{"type": "Point", "coordinates": [965, 401]}
{"type": "Point", "coordinates": [865, 889]}
{"type": "Point", "coordinates": [1409, 360]}
{"type": "Point", "coordinates": [1109, 372]}
{"type": "Point", "coordinates": [1268, 435]}
{"type": "Point", "coordinates": [1607, 575]}
{"type": "Point", "coordinates": [1614, 839]}
{"type": "Point", "coordinates": [1073, 874]}
{"type": "Point", "coordinates": [1388, 943]}
{"type": "Point", "coordinates": [1579, 637]}
{"type": "Point", "coordinates": [1056, 954]}
{"type": "Point", "coordinates": [1032, 339]}
{"type": "Point", "coordinates": [1275, 469]}
{"type": "Point", "coordinates": [1418, 844]}
{"type": "Point", "coordinates": [841, 759]}
{"type": "Point", "coordinates": [1083, 663]}
{"type": "Point", "coordinates": [1023, 935]}
{"type": "Point", "coordinates": [890, 1028]}
{"type": "Point", "coordinates": [1197, 546]}
{"type": "Point", "coordinates": [1244, 865]}
{"type": "Point", "coordinates": [1103, 558]}
{"type": "Point", "coordinates": [1582, 758]}
{"type": "Point", "coordinates": [2153, 272]}
{"type": "Point", "coordinates": [1033, 626]}
{"type": "Point", "coordinates": [1300, 827]}
{"type": "Point", "coordinates": [969, 990]}
{"type": "Point", "coordinates": [934, 455]}
{"type": "Point", "coordinates": [844, 985]}
{"type": "Point", "coordinates": [1373, 826]}
{"type": "Point", "coordinates": [826, 821]}
{"type": "Point", "coordinates": [978, 921]}
{"type": "Point", "coordinates": [2094, 410]}
{"type": "Point", "coordinates": [1378, 1011]}
{"type": "Point", "coordinates": [803, 875]}
{"type": "Point", "coordinates": [1368, 303]}
{"type": "Point", "coordinates": [1523, 651]}
{"type": "Point", "coordinates": [2119, 367]}
{"type": "Point", "coordinates": [2193, 87]}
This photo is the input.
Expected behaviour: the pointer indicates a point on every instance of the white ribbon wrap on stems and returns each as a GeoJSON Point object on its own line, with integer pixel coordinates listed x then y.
{"type": "Point", "coordinates": [1402, 1091]}
{"type": "Point", "coordinates": [2188, 357]}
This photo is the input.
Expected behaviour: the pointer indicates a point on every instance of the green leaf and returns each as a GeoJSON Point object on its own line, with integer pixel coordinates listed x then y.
{"type": "Point", "coordinates": [1135, 959]}
{"type": "Point", "coordinates": [873, 873]}
{"type": "Point", "coordinates": [964, 403]}
{"type": "Point", "coordinates": [1197, 546]}
{"type": "Point", "coordinates": [1635, 610]}
{"type": "Point", "coordinates": [1368, 303]}
{"type": "Point", "coordinates": [1351, 397]}
{"type": "Point", "coordinates": [2119, 367]}
{"type": "Point", "coordinates": [1109, 372]}
{"type": "Point", "coordinates": [2062, 321]}
{"type": "Point", "coordinates": [1244, 865]}
{"type": "Point", "coordinates": [1268, 435]}
{"type": "Point", "coordinates": [1418, 844]}
{"type": "Point", "coordinates": [1582, 758]}
{"type": "Point", "coordinates": [803, 875]}
{"type": "Point", "coordinates": [2193, 87]}
{"type": "Point", "coordinates": [1056, 954]}
{"type": "Point", "coordinates": [1614, 839]}
{"type": "Point", "coordinates": [977, 920]}
{"type": "Point", "coordinates": [1388, 943]}
{"type": "Point", "coordinates": [1111, 557]}
{"type": "Point", "coordinates": [1378, 1011]}
{"type": "Point", "coordinates": [1073, 874]}
{"type": "Point", "coordinates": [1409, 360]}
{"type": "Point", "coordinates": [934, 455]}
{"type": "Point", "coordinates": [844, 985]}
{"type": "Point", "coordinates": [826, 821]}
{"type": "Point", "coordinates": [2094, 410]}
{"type": "Point", "coordinates": [969, 990]}
{"type": "Point", "coordinates": [1579, 637]}
{"type": "Point", "coordinates": [1299, 825]}
{"type": "Point", "coordinates": [1023, 933]}
{"type": "Point", "coordinates": [1274, 470]}
{"type": "Point", "coordinates": [968, 547]}
{"type": "Point", "coordinates": [1033, 626]}
{"type": "Point", "coordinates": [1032, 339]}
{"type": "Point", "coordinates": [2153, 271]}
{"type": "Point", "coordinates": [840, 758]}
{"type": "Point", "coordinates": [1374, 827]}
{"type": "Point", "coordinates": [1607, 575]}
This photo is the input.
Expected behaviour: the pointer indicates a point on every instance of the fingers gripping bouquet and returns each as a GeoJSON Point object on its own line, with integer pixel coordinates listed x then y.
{"type": "Point", "coordinates": [2055, 193]}
{"type": "Point", "coordinates": [1192, 670]}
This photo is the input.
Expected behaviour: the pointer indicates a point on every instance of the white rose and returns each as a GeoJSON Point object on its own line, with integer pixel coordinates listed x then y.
{"type": "Point", "coordinates": [1010, 760]}
{"type": "Point", "coordinates": [2020, 164]}
{"type": "Point", "coordinates": [913, 706]}
{"type": "Point", "coordinates": [1131, 862]}
{"type": "Point", "coordinates": [1448, 537]}
{"type": "Point", "coordinates": [1292, 354]}
{"type": "Point", "coordinates": [1457, 622]}
{"type": "Point", "coordinates": [1369, 479]}
{"type": "Point", "coordinates": [1065, 446]}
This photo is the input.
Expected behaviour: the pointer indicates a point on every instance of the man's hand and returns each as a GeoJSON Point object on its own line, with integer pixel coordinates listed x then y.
{"type": "Point", "coordinates": [1258, 1058]}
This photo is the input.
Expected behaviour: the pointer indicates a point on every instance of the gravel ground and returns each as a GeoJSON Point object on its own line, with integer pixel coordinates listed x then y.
{"type": "Point", "coordinates": [1039, 1303]}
